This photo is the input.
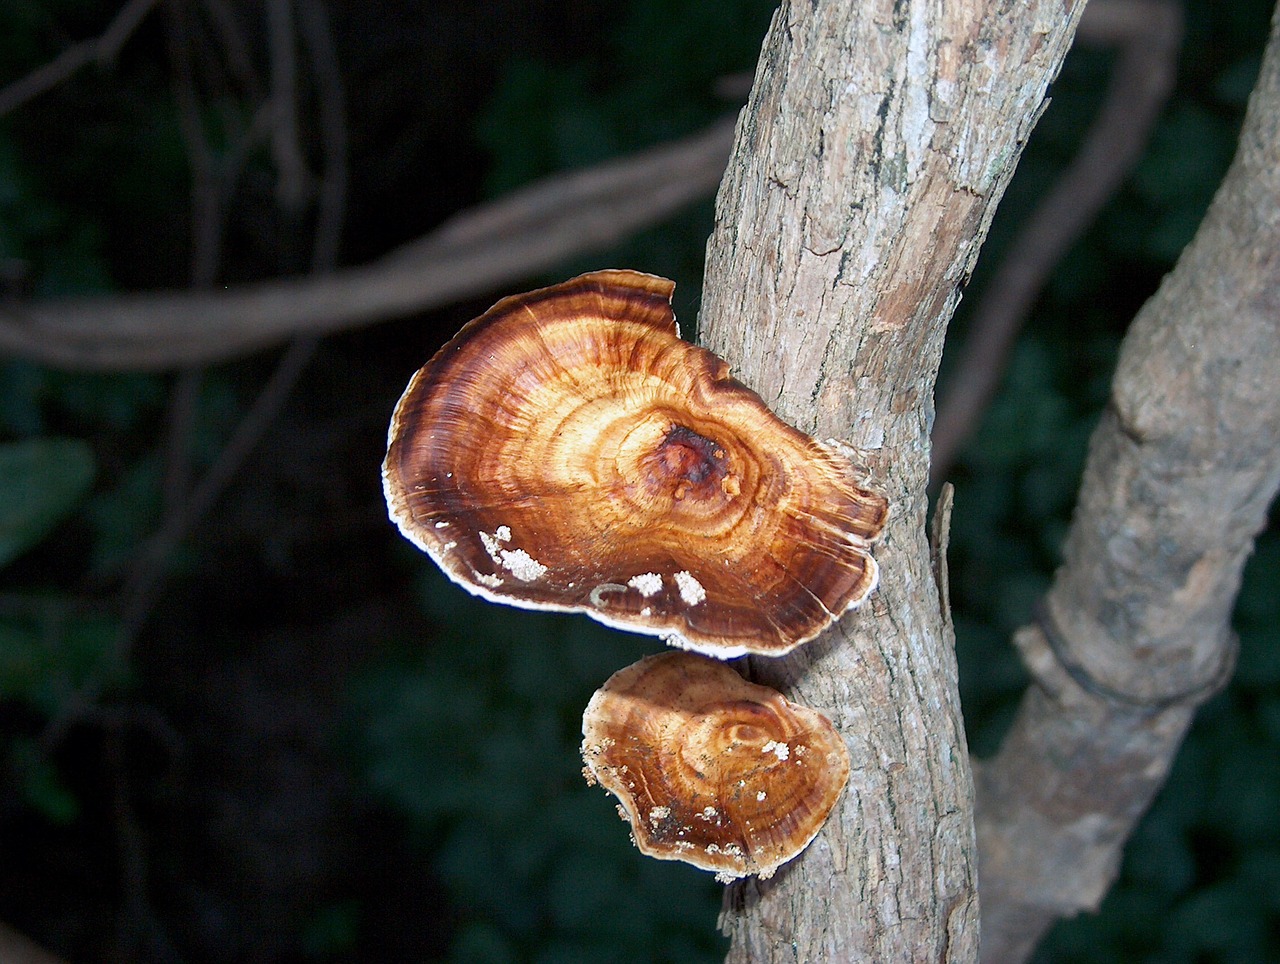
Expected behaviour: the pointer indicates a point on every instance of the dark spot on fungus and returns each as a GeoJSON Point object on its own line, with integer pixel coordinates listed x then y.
{"type": "Point", "coordinates": [567, 451]}
{"type": "Point", "coordinates": [689, 465]}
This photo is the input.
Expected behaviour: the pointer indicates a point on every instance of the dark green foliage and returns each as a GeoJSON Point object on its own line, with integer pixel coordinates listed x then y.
{"type": "Point", "coordinates": [47, 648]}
{"type": "Point", "coordinates": [42, 245]}
{"type": "Point", "coordinates": [41, 480]}
{"type": "Point", "coordinates": [477, 740]}
{"type": "Point", "coordinates": [653, 79]}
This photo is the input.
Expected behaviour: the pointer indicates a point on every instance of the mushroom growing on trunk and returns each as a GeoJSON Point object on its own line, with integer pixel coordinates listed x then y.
{"type": "Point", "coordinates": [568, 451]}
{"type": "Point", "coordinates": [711, 769]}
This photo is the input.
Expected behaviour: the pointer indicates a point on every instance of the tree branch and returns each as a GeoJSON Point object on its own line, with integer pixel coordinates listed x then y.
{"type": "Point", "coordinates": [286, 151]}
{"type": "Point", "coordinates": [16, 948]}
{"type": "Point", "coordinates": [1150, 32]}
{"type": "Point", "coordinates": [313, 24]}
{"type": "Point", "coordinates": [525, 232]}
{"type": "Point", "coordinates": [1135, 632]}
{"type": "Point", "coordinates": [235, 50]}
{"type": "Point", "coordinates": [869, 159]}
{"type": "Point", "coordinates": [102, 49]}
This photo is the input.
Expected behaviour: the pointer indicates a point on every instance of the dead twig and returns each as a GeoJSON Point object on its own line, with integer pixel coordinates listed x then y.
{"type": "Point", "coordinates": [16, 948]}
{"type": "Point", "coordinates": [1149, 33]}
{"type": "Point", "coordinates": [529, 230]}
{"type": "Point", "coordinates": [286, 152]}
{"type": "Point", "coordinates": [103, 50]}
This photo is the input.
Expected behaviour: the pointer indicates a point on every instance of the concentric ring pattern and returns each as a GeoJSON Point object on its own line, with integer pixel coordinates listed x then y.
{"type": "Point", "coordinates": [567, 450]}
{"type": "Point", "coordinates": [710, 769]}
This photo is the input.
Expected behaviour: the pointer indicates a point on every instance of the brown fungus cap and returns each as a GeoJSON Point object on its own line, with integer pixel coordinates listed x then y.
{"type": "Point", "coordinates": [567, 451]}
{"type": "Point", "coordinates": [713, 770]}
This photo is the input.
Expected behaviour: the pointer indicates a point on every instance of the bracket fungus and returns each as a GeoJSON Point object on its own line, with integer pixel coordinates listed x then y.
{"type": "Point", "coordinates": [711, 769]}
{"type": "Point", "coordinates": [568, 451]}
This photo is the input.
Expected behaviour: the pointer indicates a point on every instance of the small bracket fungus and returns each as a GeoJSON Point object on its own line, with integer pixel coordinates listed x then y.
{"type": "Point", "coordinates": [713, 770]}
{"type": "Point", "coordinates": [566, 450]}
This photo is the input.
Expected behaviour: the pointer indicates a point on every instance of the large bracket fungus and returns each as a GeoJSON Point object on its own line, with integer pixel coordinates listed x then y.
{"type": "Point", "coordinates": [568, 451]}
{"type": "Point", "coordinates": [709, 768]}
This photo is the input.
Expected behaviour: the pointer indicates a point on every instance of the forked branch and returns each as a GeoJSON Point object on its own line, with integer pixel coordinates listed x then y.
{"type": "Point", "coordinates": [1135, 632]}
{"type": "Point", "coordinates": [103, 49]}
{"type": "Point", "coordinates": [1147, 33]}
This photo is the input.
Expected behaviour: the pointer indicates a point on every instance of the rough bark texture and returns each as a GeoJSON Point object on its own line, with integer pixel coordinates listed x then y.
{"type": "Point", "coordinates": [878, 138]}
{"type": "Point", "coordinates": [1135, 631]}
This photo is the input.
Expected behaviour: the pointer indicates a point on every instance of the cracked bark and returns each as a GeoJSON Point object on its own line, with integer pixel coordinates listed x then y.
{"type": "Point", "coordinates": [868, 162]}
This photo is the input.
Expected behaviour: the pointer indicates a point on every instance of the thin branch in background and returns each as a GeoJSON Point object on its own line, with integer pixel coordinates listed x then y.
{"type": "Point", "coordinates": [16, 948]}
{"type": "Point", "coordinates": [147, 573]}
{"type": "Point", "coordinates": [139, 925]}
{"type": "Point", "coordinates": [235, 50]}
{"type": "Point", "coordinates": [140, 932]}
{"type": "Point", "coordinates": [144, 585]}
{"type": "Point", "coordinates": [152, 563]}
{"type": "Point", "coordinates": [103, 50]}
{"type": "Point", "coordinates": [179, 428]}
{"type": "Point", "coordinates": [527, 231]}
{"type": "Point", "coordinates": [213, 184]}
{"type": "Point", "coordinates": [207, 227]}
{"type": "Point", "coordinates": [291, 168]}
{"type": "Point", "coordinates": [1149, 33]}
{"type": "Point", "coordinates": [317, 36]}
{"type": "Point", "coordinates": [207, 194]}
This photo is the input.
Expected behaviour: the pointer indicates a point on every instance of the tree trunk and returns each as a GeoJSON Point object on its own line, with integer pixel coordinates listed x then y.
{"type": "Point", "coordinates": [1135, 631]}
{"type": "Point", "coordinates": [868, 163]}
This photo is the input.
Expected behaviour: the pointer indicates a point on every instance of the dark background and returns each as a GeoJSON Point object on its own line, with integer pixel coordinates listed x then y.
{"type": "Point", "coordinates": [314, 748]}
